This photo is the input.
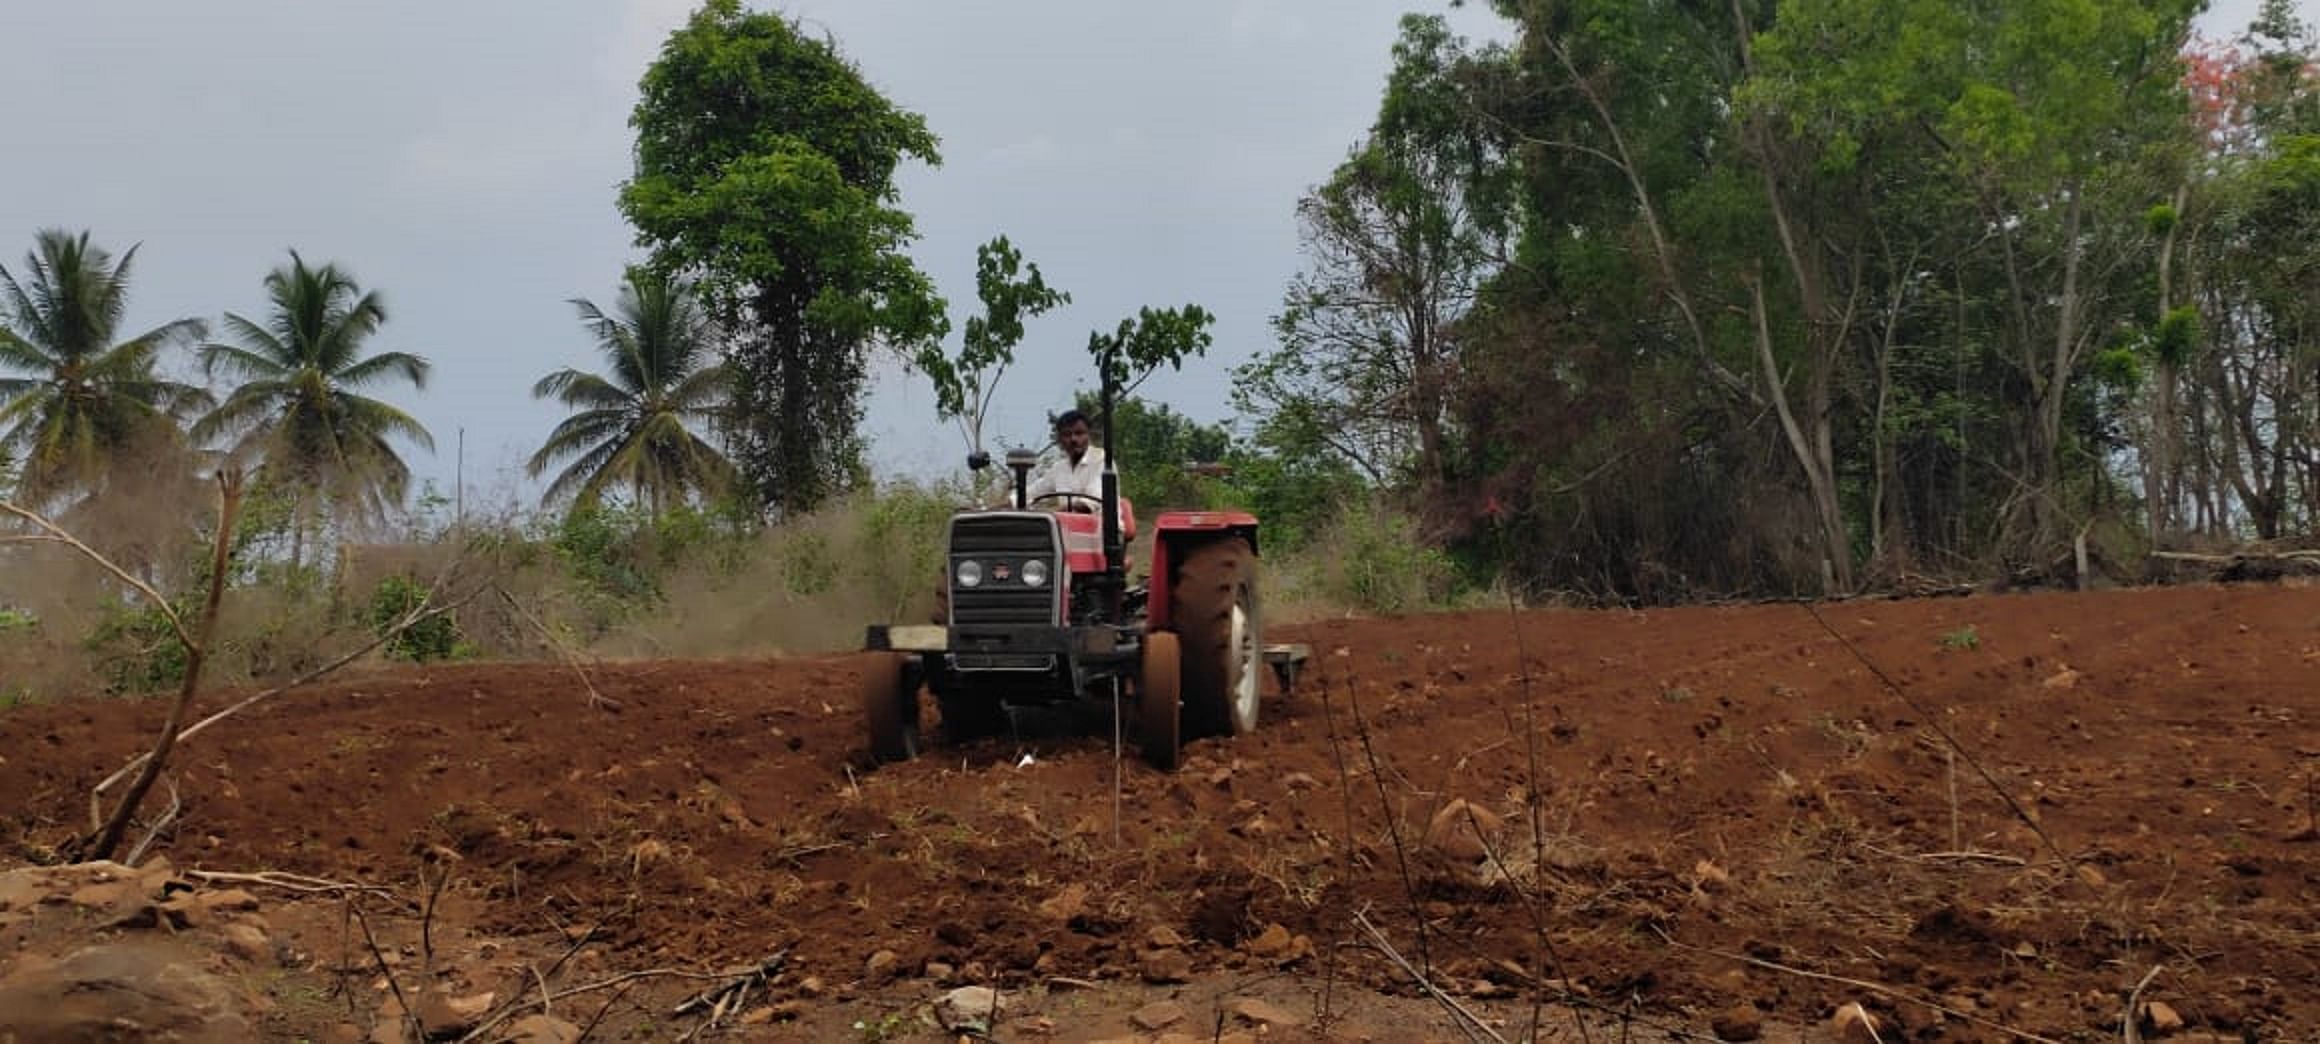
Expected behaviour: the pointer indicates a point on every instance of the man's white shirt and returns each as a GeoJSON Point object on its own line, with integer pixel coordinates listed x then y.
{"type": "Point", "coordinates": [1085, 478]}
{"type": "Point", "coordinates": [1062, 476]}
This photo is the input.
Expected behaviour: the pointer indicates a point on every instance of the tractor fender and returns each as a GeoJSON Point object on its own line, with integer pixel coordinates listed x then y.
{"type": "Point", "coordinates": [1175, 534]}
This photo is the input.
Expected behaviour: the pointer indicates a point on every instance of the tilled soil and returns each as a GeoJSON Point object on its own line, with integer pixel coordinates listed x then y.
{"type": "Point", "coordinates": [1678, 815]}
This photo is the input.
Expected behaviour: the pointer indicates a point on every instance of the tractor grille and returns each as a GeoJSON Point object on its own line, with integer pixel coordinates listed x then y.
{"type": "Point", "coordinates": [1012, 539]}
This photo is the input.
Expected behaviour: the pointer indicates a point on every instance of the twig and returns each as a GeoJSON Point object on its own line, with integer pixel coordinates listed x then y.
{"type": "Point", "coordinates": [418, 1028]}
{"type": "Point", "coordinates": [153, 833]}
{"type": "Point", "coordinates": [1344, 790]}
{"type": "Point", "coordinates": [427, 919]}
{"type": "Point", "coordinates": [488, 1025]}
{"type": "Point", "coordinates": [740, 983]}
{"type": "Point", "coordinates": [1956, 824]}
{"type": "Point", "coordinates": [1534, 812]}
{"type": "Point", "coordinates": [1393, 820]}
{"type": "Point", "coordinates": [595, 698]}
{"type": "Point", "coordinates": [546, 1002]}
{"type": "Point", "coordinates": [1965, 856]}
{"type": "Point", "coordinates": [1474, 1027]}
{"type": "Point", "coordinates": [1863, 984]}
{"type": "Point", "coordinates": [292, 882]}
{"type": "Point", "coordinates": [2130, 1025]}
{"type": "Point", "coordinates": [602, 1012]}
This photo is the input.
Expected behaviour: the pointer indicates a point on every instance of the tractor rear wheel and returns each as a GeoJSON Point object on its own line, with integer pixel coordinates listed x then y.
{"type": "Point", "coordinates": [1213, 604]}
{"type": "Point", "coordinates": [890, 706]}
{"type": "Point", "coordinates": [1159, 695]}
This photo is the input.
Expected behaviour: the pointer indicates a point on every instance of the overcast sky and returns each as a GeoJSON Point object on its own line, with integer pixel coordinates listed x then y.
{"type": "Point", "coordinates": [462, 160]}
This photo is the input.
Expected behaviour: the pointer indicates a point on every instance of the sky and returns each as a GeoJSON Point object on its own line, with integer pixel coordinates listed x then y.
{"type": "Point", "coordinates": [462, 159]}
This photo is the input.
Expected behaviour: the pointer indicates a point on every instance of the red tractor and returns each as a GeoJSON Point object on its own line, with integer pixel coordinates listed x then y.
{"type": "Point", "coordinates": [1041, 615]}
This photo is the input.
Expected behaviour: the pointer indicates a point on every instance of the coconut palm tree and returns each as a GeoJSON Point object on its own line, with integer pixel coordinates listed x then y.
{"type": "Point", "coordinates": [629, 428]}
{"type": "Point", "coordinates": [78, 400]}
{"type": "Point", "coordinates": [297, 415]}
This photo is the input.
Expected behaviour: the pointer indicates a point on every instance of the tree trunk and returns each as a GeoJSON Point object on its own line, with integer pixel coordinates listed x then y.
{"type": "Point", "coordinates": [1811, 450]}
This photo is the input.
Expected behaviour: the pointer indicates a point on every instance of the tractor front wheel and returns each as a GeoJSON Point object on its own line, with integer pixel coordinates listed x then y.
{"type": "Point", "coordinates": [1213, 604]}
{"type": "Point", "coordinates": [1159, 694]}
{"type": "Point", "coordinates": [890, 706]}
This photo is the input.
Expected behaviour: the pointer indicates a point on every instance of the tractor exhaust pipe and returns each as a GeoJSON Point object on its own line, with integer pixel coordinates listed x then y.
{"type": "Point", "coordinates": [1115, 554]}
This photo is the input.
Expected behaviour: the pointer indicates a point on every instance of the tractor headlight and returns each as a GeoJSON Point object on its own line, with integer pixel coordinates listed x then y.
{"type": "Point", "coordinates": [1035, 573]}
{"type": "Point", "coordinates": [970, 573]}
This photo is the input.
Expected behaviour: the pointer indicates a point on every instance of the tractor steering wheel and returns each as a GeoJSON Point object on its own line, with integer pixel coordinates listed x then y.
{"type": "Point", "coordinates": [1071, 499]}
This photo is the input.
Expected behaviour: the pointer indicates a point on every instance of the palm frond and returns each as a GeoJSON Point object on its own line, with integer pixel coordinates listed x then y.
{"type": "Point", "coordinates": [259, 354]}
{"type": "Point", "coordinates": [583, 480]}
{"type": "Point", "coordinates": [371, 419]}
{"type": "Point", "coordinates": [574, 436]}
{"type": "Point", "coordinates": [581, 390]}
{"type": "Point", "coordinates": [385, 364]}
{"type": "Point", "coordinates": [17, 353]}
{"type": "Point", "coordinates": [244, 409]}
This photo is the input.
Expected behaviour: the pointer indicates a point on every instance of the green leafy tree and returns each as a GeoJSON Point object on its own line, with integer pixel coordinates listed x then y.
{"type": "Point", "coordinates": [1155, 337]}
{"type": "Point", "coordinates": [634, 426]}
{"type": "Point", "coordinates": [73, 399]}
{"type": "Point", "coordinates": [765, 170]}
{"type": "Point", "coordinates": [298, 411]}
{"type": "Point", "coordinates": [1399, 242]}
{"type": "Point", "coordinates": [1012, 290]}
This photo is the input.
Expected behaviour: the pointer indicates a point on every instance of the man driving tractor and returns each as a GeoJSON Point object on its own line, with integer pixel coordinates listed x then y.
{"type": "Point", "coordinates": [1079, 472]}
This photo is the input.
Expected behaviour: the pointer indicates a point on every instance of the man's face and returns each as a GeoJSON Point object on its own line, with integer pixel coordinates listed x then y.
{"type": "Point", "coordinates": [1073, 438]}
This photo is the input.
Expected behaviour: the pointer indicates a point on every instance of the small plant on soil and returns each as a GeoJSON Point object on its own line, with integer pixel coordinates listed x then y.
{"type": "Point", "coordinates": [1963, 639]}
{"type": "Point", "coordinates": [1677, 694]}
{"type": "Point", "coordinates": [890, 1027]}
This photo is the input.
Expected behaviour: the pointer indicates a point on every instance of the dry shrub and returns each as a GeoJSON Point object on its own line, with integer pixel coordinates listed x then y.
{"type": "Point", "coordinates": [807, 585]}
{"type": "Point", "coordinates": [1368, 560]}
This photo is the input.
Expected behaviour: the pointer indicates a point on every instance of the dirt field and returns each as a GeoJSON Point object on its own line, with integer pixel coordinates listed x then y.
{"type": "Point", "coordinates": [1733, 817]}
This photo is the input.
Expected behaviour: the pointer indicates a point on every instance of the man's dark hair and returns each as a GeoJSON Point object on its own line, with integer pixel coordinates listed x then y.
{"type": "Point", "coordinates": [1068, 418]}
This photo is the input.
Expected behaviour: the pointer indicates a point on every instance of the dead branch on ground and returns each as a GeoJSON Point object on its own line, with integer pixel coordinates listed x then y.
{"type": "Point", "coordinates": [622, 980]}
{"type": "Point", "coordinates": [298, 883]}
{"type": "Point", "coordinates": [726, 998]}
{"type": "Point", "coordinates": [2130, 1024]}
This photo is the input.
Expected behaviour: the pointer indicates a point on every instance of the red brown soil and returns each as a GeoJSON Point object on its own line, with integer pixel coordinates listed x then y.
{"type": "Point", "coordinates": [1734, 810]}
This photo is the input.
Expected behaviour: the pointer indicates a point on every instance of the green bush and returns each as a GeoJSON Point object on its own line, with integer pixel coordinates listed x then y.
{"type": "Point", "coordinates": [808, 567]}
{"type": "Point", "coordinates": [898, 543]}
{"type": "Point", "coordinates": [1371, 559]}
{"type": "Point", "coordinates": [434, 638]}
{"type": "Point", "coordinates": [136, 649]}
